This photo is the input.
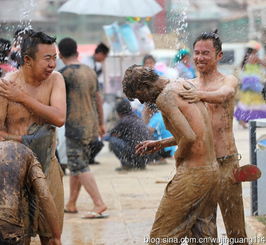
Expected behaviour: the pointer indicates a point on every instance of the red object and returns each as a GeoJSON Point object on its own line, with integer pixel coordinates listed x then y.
{"type": "Point", "coordinates": [247, 173]}
{"type": "Point", "coordinates": [160, 18]}
{"type": "Point", "coordinates": [86, 50]}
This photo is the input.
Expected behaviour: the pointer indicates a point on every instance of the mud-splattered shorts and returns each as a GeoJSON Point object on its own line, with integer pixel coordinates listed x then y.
{"type": "Point", "coordinates": [78, 154]}
{"type": "Point", "coordinates": [188, 207]}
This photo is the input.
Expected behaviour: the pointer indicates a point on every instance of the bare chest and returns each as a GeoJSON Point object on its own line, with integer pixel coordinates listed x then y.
{"type": "Point", "coordinates": [19, 117]}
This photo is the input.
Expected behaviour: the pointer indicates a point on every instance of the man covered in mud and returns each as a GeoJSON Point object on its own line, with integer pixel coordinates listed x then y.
{"type": "Point", "coordinates": [219, 92]}
{"type": "Point", "coordinates": [82, 123]}
{"type": "Point", "coordinates": [20, 172]}
{"type": "Point", "coordinates": [31, 97]}
{"type": "Point", "coordinates": [187, 208]}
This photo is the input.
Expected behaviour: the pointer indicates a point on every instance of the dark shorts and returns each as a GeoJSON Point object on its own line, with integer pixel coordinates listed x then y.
{"type": "Point", "coordinates": [78, 154]}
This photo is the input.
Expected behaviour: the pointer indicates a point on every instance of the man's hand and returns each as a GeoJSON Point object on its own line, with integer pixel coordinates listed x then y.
{"type": "Point", "coordinates": [55, 241]}
{"type": "Point", "coordinates": [148, 147]}
{"type": "Point", "coordinates": [11, 90]}
{"type": "Point", "coordinates": [101, 130]}
{"type": "Point", "coordinates": [3, 135]}
{"type": "Point", "coordinates": [190, 94]}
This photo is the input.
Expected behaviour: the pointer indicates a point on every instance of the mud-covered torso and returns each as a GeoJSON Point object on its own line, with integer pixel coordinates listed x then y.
{"type": "Point", "coordinates": [16, 163]}
{"type": "Point", "coordinates": [81, 88]}
{"type": "Point", "coordinates": [222, 121]}
{"type": "Point", "coordinates": [196, 114]}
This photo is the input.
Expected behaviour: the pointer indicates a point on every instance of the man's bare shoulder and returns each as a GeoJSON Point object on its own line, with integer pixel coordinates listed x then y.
{"type": "Point", "coordinates": [170, 93]}
{"type": "Point", "coordinates": [12, 76]}
{"type": "Point", "coordinates": [56, 77]}
{"type": "Point", "coordinates": [232, 79]}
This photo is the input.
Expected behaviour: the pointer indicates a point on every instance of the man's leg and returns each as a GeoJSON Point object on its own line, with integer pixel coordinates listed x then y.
{"type": "Point", "coordinates": [88, 181]}
{"type": "Point", "coordinates": [75, 186]}
{"type": "Point", "coordinates": [231, 202]}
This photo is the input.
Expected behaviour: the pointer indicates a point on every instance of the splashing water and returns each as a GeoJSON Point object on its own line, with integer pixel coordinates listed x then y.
{"type": "Point", "coordinates": [178, 21]}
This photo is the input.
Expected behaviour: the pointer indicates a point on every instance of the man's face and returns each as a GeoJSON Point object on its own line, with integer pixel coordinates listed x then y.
{"type": "Point", "coordinates": [100, 57]}
{"type": "Point", "coordinates": [44, 62]}
{"type": "Point", "coordinates": [205, 57]}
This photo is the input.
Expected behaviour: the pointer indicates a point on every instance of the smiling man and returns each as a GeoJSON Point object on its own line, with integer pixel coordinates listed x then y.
{"type": "Point", "coordinates": [35, 94]}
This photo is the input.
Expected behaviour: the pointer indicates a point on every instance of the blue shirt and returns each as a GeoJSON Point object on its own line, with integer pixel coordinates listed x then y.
{"type": "Point", "coordinates": [160, 132]}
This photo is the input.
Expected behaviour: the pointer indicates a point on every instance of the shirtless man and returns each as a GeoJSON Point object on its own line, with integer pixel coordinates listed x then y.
{"type": "Point", "coordinates": [18, 175]}
{"type": "Point", "coordinates": [36, 94]}
{"type": "Point", "coordinates": [188, 206]}
{"type": "Point", "coordinates": [218, 91]}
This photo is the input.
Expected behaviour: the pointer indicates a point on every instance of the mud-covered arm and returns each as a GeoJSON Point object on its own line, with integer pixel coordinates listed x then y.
{"type": "Point", "coordinates": [54, 113]}
{"type": "Point", "coordinates": [99, 104]}
{"type": "Point", "coordinates": [169, 103]}
{"type": "Point", "coordinates": [48, 208]}
{"type": "Point", "coordinates": [3, 114]}
{"type": "Point", "coordinates": [224, 93]}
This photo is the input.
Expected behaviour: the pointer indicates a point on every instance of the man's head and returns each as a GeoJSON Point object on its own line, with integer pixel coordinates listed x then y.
{"type": "Point", "coordinates": [38, 52]}
{"type": "Point", "coordinates": [140, 83]}
{"type": "Point", "coordinates": [123, 107]}
{"type": "Point", "coordinates": [5, 47]}
{"type": "Point", "coordinates": [101, 52]}
{"type": "Point", "coordinates": [149, 61]}
{"type": "Point", "coordinates": [68, 48]}
{"type": "Point", "coordinates": [207, 51]}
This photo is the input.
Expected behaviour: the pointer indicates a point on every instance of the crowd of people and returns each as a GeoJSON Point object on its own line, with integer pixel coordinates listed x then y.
{"type": "Point", "coordinates": [193, 112]}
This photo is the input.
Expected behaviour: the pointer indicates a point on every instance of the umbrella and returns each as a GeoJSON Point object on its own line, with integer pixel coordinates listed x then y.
{"type": "Point", "coordinates": [123, 8]}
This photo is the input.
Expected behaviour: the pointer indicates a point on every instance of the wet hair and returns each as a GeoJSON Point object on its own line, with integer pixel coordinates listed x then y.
{"type": "Point", "coordinates": [21, 33]}
{"type": "Point", "coordinates": [29, 45]}
{"type": "Point", "coordinates": [136, 78]}
{"type": "Point", "coordinates": [102, 48]}
{"type": "Point", "coordinates": [67, 47]}
{"type": "Point", "coordinates": [148, 57]}
{"type": "Point", "coordinates": [123, 107]}
{"type": "Point", "coordinates": [217, 43]}
{"type": "Point", "coordinates": [246, 56]}
{"type": "Point", "coordinates": [5, 47]}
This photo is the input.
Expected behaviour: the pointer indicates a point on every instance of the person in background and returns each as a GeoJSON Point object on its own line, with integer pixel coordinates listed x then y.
{"type": "Point", "coordinates": [183, 64]}
{"type": "Point", "coordinates": [251, 104]}
{"type": "Point", "coordinates": [81, 126]}
{"type": "Point", "coordinates": [95, 62]}
{"type": "Point", "coordinates": [149, 61]}
{"type": "Point", "coordinates": [128, 132]}
{"type": "Point", "coordinates": [5, 48]}
{"type": "Point", "coordinates": [15, 55]}
{"type": "Point", "coordinates": [158, 130]}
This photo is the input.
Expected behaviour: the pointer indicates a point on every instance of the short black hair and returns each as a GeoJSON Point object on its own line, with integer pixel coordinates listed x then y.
{"type": "Point", "coordinates": [29, 45]}
{"type": "Point", "coordinates": [68, 47]}
{"type": "Point", "coordinates": [123, 107]}
{"type": "Point", "coordinates": [217, 43]}
{"type": "Point", "coordinates": [5, 47]}
{"type": "Point", "coordinates": [102, 48]}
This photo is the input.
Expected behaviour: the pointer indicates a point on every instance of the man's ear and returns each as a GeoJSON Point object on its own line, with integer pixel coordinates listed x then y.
{"type": "Point", "coordinates": [220, 55]}
{"type": "Point", "coordinates": [27, 60]}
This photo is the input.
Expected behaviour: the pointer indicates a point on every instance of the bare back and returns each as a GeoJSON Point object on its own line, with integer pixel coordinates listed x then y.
{"type": "Point", "coordinates": [221, 118]}
{"type": "Point", "coordinates": [18, 117]}
{"type": "Point", "coordinates": [176, 111]}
